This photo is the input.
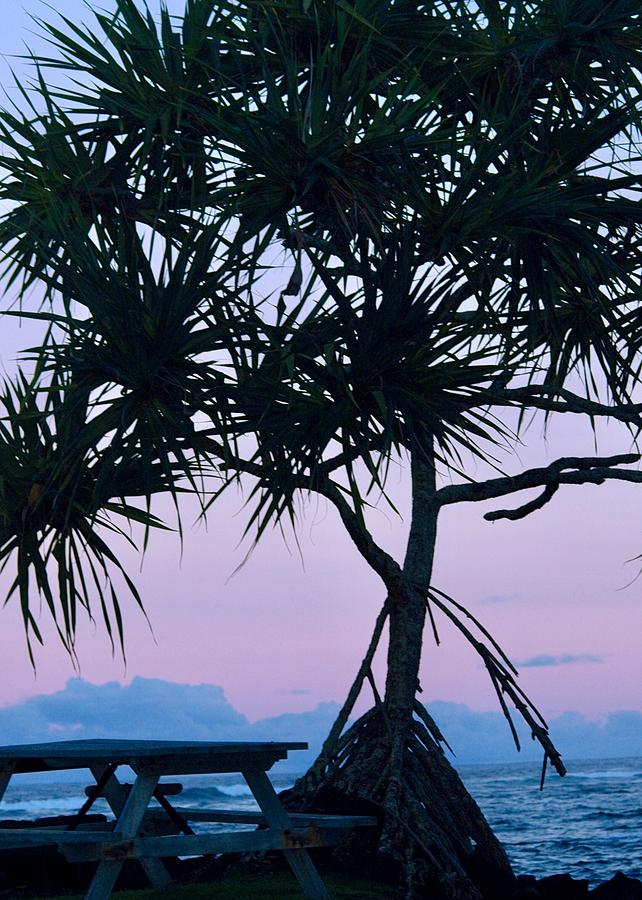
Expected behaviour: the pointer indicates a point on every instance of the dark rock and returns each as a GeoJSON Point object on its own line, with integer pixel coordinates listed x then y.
{"type": "Point", "coordinates": [49, 821]}
{"type": "Point", "coordinates": [562, 887]}
{"type": "Point", "coordinates": [492, 883]}
{"type": "Point", "coordinates": [525, 888]}
{"type": "Point", "coordinates": [620, 887]}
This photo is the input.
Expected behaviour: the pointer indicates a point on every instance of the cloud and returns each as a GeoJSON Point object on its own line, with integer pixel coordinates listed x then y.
{"type": "Point", "coordinates": [491, 599]}
{"type": "Point", "coordinates": [152, 708]}
{"type": "Point", "coordinates": [484, 737]}
{"type": "Point", "coordinates": [311, 726]}
{"type": "Point", "coordinates": [565, 659]}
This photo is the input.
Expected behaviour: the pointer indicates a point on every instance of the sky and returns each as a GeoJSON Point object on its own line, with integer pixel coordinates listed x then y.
{"type": "Point", "coordinates": [286, 632]}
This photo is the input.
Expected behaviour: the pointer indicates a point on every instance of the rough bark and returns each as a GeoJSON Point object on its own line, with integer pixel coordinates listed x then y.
{"type": "Point", "coordinates": [408, 605]}
{"type": "Point", "coordinates": [432, 839]}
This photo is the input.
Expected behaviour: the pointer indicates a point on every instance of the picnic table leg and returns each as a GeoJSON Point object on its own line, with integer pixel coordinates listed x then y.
{"type": "Point", "coordinates": [116, 795]}
{"type": "Point", "coordinates": [277, 817]}
{"type": "Point", "coordinates": [127, 825]}
{"type": "Point", "coordinates": [6, 771]}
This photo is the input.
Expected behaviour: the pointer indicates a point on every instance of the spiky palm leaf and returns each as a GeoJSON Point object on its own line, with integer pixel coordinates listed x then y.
{"type": "Point", "coordinates": [453, 186]}
{"type": "Point", "coordinates": [60, 509]}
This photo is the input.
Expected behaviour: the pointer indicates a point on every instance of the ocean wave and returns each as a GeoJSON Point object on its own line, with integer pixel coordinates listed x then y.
{"type": "Point", "coordinates": [201, 794]}
{"type": "Point", "coordinates": [39, 807]}
{"type": "Point", "coordinates": [600, 776]}
{"type": "Point", "coordinates": [236, 790]}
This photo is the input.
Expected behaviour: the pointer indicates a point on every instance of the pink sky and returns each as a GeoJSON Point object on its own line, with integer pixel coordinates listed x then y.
{"type": "Point", "coordinates": [281, 636]}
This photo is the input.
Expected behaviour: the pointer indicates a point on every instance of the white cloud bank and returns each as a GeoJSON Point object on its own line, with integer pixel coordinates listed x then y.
{"type": "Point", "coordinates": [480, 737]}
{"type": "Point", "coordinates": [545, 660]}
{"type": "Point", "coordinates": [152, 708]}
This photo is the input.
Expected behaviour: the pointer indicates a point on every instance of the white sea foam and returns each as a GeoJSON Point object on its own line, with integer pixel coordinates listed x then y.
{"type": "Point", "coordinates": [613, 773]}
{"type": "Point", "coordinates": [43, 806]}
{"type": "Point", "coordinates": [235, 790]}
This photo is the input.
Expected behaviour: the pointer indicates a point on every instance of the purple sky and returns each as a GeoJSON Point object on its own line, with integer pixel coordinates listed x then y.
{"type": "Point", "coordinates": [282, 635]}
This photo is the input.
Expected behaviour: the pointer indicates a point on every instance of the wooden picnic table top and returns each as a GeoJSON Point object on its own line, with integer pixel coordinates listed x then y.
{"type": "Point", "coordinates": [127, 839]}
{"type": "Point", "coordinates": [170, 757]}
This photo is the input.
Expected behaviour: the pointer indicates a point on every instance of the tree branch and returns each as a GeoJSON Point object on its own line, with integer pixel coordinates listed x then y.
{"type": "Point", "coordinates": [567, 470]}
{"type": "Point", "coordinates": [550, 398]}
{"type": "Point", "coordinates": [383, 564]}
{"type": "Point", "coordinates": [522, 511]}
{"type": "Point", "coordinates": [330, 745]}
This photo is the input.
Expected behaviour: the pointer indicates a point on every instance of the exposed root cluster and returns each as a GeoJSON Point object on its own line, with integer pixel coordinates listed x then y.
{"type": "Point", "coordinates": [431, 830]}
{"type": "Point", "coordinates": [431, 834]}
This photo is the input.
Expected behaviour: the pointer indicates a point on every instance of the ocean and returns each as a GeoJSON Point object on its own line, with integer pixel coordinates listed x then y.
{"type": "Point", "coordinates": [588, 823]}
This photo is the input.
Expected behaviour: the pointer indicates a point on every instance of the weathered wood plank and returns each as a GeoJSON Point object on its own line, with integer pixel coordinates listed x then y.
{"type": "Point", "coordinates": [127, 824]}
{"type": "Point", "coordinates": [15, 838]}
{"type": "Point", "coordinates": [277, 817]}
{"type": "Point", "coordinates": [201, 844]}
{"type": "Point", "coordinates": [6, 771]}
{"type": "Point", "coordinates": [170, 757]}
{"type": "Point", "coordinates": [107, 746]}
{"type": "Point", "coordinates": [195, 764]}
{"type": "Point", "coordinates": [116, 794]}
{"type": "Point", "coordinates": [204, 764]}
{"type": "Point", "coordinates": [248, 817]}
{"type": "Point", "coordinates": [167, 788]}
{"type": "Point", "coordinates": [152, 759]}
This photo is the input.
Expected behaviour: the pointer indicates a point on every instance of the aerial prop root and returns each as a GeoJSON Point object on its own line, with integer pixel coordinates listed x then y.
{"type": "Point", "coordinates": [431, 831]}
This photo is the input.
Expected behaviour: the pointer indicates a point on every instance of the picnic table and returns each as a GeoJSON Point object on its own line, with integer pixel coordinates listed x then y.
{"type": "Point", "coordinates": [134, 832]}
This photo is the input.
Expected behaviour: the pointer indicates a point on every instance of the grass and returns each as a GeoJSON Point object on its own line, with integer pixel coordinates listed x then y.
{"type": "Point", "coordinates": [278, 886]}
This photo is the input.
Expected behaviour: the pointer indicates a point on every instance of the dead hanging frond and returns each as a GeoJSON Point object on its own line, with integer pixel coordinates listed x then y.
{"type": "Point", "coordinates": [503, 675]}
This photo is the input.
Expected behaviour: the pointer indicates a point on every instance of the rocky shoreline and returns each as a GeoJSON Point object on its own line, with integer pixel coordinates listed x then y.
{"type": "Point", "coordinates": [564, 887]}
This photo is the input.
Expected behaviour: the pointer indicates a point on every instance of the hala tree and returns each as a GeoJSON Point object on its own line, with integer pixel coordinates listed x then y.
{"type": "Point", "coordinates": [289, 242]}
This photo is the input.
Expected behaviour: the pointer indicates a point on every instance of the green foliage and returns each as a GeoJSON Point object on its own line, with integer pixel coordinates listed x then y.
{"type": "Point", "coordinates": [57, 500]}
{"type": "Point", "coordinates": [296, 238]}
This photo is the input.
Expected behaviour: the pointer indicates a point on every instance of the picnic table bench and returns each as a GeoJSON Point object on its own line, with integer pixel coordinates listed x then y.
{"type": "Point", "coordinates": [137, 830]}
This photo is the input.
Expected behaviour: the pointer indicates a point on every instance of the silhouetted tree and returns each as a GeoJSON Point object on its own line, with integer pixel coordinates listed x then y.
{"type": "Point", "coordinates": [452, 191]}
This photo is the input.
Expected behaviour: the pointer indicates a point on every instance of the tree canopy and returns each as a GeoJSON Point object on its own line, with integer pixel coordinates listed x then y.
{"type": "Point", "coordinates": [448, 192]}
{"type": "Point", "coordinates": [291, 241]}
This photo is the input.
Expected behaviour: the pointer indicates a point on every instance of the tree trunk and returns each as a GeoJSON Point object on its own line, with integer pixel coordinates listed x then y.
{"type": "Point", "coordinates": [432, 833]}
{"type": "Point", "coordinates": [407, 608]}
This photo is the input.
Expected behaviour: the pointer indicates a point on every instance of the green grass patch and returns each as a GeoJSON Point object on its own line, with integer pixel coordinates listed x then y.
{"type": "Point", "coordinates": [278, 886]}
